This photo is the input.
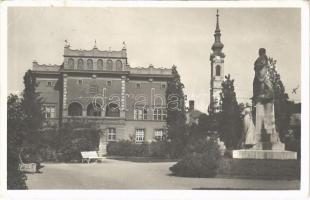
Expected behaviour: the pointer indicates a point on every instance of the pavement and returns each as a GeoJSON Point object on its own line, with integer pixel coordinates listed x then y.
{"type": "Point", "coordinates": [116, 174]}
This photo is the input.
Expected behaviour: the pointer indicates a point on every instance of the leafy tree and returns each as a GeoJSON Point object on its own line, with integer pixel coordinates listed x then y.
{"type": "Point", "coordinates": [176, 118]}
{"type": "Point", "coordinates": [74, 138]}
{"type": "Point", "coordinates": [25, 117]}
{"type": "Point", "coordinates": [34, 116]}
{"type": "Point", "coordinates": [32, 102]}
{"type": "Point", "coordinates": [207, 125]}
{"type": "Point", "coordinates": [281, 102]}
{"type": "Point", "coordinates": [230, 121]}
{"type": "Point", "coordinates": [16, 132]}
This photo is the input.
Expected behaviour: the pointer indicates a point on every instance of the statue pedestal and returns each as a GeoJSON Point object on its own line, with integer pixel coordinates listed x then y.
{"type": "Point", "coordinates": [103, 144]}
{"type": "Point", "coordinates": [264, 154]}
{"type": "Point", "coordinates": [268, 144]}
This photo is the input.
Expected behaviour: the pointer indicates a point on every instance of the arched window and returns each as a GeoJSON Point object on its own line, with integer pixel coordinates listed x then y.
{"type": "Point", "coordinates": [218, 70]}
{"type": "Point", "coordinates": [75, 109]}
{"type": "Point", "coordinates": [109, 65]}
{"type": "Point", "coordinates": [90, 64]}
{"type": "Point", "coordinates": [71, 63]}
{"type": "Point", "coordinates": [112, 110]}
{"type": "Point", "coordinates": [119, 65]}
{"type": "Point", "coordinates": [80, 64]}
{"type": "Point", "coordinates": [99, 64]}
{"type": "Point", "coordinates": [94, 109]}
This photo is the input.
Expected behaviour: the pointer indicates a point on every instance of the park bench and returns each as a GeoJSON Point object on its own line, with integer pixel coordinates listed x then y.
{"type": "Point", "coordinates": [26, 167]}
{"type": "Point", "coordinates": [88, 156]}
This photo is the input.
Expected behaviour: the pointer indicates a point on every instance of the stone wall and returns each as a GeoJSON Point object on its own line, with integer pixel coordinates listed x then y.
{"type": "Point", "coordinates": [150, 94]}
{"type": "Point", "coordinates": [84, 93]}
{"type": "Point", "coordinates": [49, 94]}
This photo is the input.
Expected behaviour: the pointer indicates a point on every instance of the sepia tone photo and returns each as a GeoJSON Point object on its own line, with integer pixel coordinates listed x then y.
{"type": "Point", "coordinates": [160, 98]}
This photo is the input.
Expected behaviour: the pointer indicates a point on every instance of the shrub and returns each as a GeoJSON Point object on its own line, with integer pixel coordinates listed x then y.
{"type": "Point", "coordinates": [16, 130]}
{"type": "Point", "coordinates": [201, 160]}
{"type": "Point", "coordinates": [159, 149]}
{"type": "Point", "coordinates": [64, 144]}
{"type": "Point", "coordinates": [73, 141]}
{"type": "Point", "coordinates": [15, 178]}
{"type": "Point", "coordinates": [128, 148]}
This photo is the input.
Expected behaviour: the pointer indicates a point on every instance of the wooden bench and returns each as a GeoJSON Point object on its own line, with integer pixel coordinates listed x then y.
{"type": "Point", "coordinates": [88, 156]}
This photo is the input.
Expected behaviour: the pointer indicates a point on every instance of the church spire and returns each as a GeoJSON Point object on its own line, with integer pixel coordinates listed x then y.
{"type": "Point", "coordinates": [217, 22]}
{"type": "Point", "coordinates": [217, 45]}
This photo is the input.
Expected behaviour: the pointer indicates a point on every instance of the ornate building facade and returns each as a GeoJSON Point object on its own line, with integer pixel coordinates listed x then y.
{"type": "Point", "coordinates": [100, 87]}
{"type": "Point", "coordinates": [217, 70]}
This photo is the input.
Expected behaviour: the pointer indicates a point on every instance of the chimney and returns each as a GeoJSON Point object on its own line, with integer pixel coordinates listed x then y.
{"type": "Point", "coordinates": [191, 105]}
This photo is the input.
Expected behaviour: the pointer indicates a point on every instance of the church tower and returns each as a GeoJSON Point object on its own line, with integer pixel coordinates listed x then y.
{"type": "Point", "coordinates": [217, 70]}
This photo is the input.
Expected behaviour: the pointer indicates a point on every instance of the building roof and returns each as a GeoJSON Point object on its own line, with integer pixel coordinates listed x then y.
{"type": "Point", "coordinates": [150, 70]}
{"type": "Point", "coordinates": [45, 67]}
{"type": "Point", "coordinates": [95, 52]}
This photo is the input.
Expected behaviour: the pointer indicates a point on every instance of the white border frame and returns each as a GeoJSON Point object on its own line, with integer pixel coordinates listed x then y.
{"type": "Point", "coordinates": [303, 193]}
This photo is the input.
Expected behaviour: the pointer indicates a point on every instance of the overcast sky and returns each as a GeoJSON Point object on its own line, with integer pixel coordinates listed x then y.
{"type": "Point", "coordinates": [162, 37]}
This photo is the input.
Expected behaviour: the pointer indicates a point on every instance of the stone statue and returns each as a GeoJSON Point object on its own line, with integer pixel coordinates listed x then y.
{"type": "Point", "coordinates": [263, 99]}
{"type": "Point", "coordinates": [262, 86]}
{"type": "Point", "coordinates": [248, 139]}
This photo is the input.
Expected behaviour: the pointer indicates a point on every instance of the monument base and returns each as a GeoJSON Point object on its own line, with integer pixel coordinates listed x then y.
{"type": "Point", "coordinates": [264, 154]}
{"type": "Point", "coordinates": [269, 146]}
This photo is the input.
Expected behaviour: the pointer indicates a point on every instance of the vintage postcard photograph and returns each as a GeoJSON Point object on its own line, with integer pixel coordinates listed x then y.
{"type": "Point", "coordinates": [195, 98]}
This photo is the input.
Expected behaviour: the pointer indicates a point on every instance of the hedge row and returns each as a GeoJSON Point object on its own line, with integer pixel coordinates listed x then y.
{"type": "Point", "coordinates": [62, 145]}
{"type": "Point", "coordinates": [128, 148]}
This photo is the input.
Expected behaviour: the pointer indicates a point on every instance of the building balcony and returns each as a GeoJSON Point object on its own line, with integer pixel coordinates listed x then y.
{"type": "Point", "coordinates": [91, 119]}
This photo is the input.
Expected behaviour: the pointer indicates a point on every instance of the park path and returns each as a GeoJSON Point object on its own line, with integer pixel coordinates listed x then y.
{"type": "Point", "coordinates": [115, 174]}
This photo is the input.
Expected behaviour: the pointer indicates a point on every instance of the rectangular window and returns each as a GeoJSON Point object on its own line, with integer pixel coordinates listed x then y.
{"type": "Point", "coordinates": [163, 86]}
{"type": "Point", "coordinates": [80, 82]}
{"type": "Point", "coordinates": [159, 114]}
{"type": "Point", "coordinates": [140, 135]}
{"type": "Point", "coordinates": [159, 134]}
{"type": "Point", "coordinates": [155, 116]}
{"type": "Point", "coordinates": [49, 112]}
{"type": "Point", "coordinates": [144, 113]}
{"type": "Point", "coordinates": [109, 83]}
{"type": "Point", "coordinates": [49, 83]}
{"type": "Point", "coordinates": [140, 114]}
{"type": "Point", "coordinates": [164, 114]}
{"type": "Point", "coordinates": [135, 114]}
{"type": "Point", "coordinates": [138, 85]}
{"type": "Point", "coordinates": [111, 134]}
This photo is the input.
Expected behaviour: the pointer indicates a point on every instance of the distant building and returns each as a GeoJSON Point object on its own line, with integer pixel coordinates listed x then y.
{"type": "Point", "coordinates": [217, 71]}
{"type": "Point", "coordinates": [192, 115]}
{"type": "Point", "coordinates": [100, 87]}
